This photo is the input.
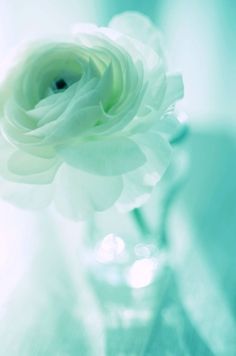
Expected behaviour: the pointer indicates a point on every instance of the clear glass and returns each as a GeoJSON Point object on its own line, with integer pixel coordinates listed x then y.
{"type": "Point", "coordinates": [127, 262]}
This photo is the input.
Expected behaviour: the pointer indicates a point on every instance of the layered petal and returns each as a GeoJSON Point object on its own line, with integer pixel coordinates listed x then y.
{"type": "Point", "coordinates": [78, 194]}
{"type": "Point", "coordinates": [18, 166]}
{"type": "Point", "coordinates": [26, 196]}
{"type": "Point", "coordinates": [157, 150]}
{"type": "Point", "coordinates": [138, 185]}
{"type": "Point", "coordinates": [24, 164]}
{"type": "Point", "coordinates": [139, 27]}
{"type": "Point", "coordinates": [110, 157]}
{"type": "Point", "coordinates": [174, 91]}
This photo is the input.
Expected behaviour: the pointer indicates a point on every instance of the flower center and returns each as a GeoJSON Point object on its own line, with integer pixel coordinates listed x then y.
{"type": "Point", "coordinates": [58, 85]}
{"type": "Point", "coordinates": [61, 84]}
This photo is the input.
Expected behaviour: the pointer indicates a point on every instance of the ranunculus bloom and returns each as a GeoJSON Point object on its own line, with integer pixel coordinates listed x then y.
{"type": "Point", "coordinates": [84, 119]}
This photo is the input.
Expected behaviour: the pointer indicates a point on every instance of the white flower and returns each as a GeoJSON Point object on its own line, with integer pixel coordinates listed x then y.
{"type": "Point", "coordinates": [84, 119]}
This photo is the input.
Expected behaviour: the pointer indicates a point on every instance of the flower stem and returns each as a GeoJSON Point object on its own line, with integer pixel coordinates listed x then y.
{"type": "Point", "coordinates": [181, 135]}
{"type": "Point", "coordinates": [141, 222]}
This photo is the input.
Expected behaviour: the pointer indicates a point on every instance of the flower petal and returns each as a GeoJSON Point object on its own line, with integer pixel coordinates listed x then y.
{"type": "Point", "coordinates": [157, 150]}
{"type": "Point", "coordinates": [136, 190]}
{"type": "Point", "coordinates": [174, 91]}
{"type": "Point", "coordinates": [139, 184]}
{"type": "Point", "coordinates": [138, 27]}
{"type": "Point", "coordinates": [18, 166]}
{"type": "Point", "coordinates": [26, 196]}
{"type": "Point", "coordinates": [110, 157]}
{"type": "Point", "coordinates": [22, 163]}
{"type": "Point", "coordinates": [72, 125]}
{"type": "Point", "coordinates": [79, 194]}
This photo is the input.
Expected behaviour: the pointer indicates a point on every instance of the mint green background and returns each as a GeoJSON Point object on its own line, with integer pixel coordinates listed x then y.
{"type": "Point", "coordinates": [200, 37]}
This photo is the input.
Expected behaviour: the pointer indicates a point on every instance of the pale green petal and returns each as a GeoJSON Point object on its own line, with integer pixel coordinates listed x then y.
{"type": "Point", "coordinates": [43, 151]}
{"type": "Point", "coordinates": [129, 85]}
{"type": "Point", "coordinates": [15, 168]}
{"type": "Point", "coordinates": [138, 27]}
{"type": "Point", "coordinates": [17, 131]}
{"type": "Point", "coordinates": [174, 91]}
{"type": "Point", "coordinates": [143, 123]}
{"type": "Point", "coordinates": [51, 107]}
{"type": "Point", "coordinates": [138, 185]}
{"type": "Point", "coordinates": [168, 125]}
{"type": "Point", "coordinates": [137, 189]}
{"type": "Point", "coordinates": [41, 178]}
{"type": "Point", "coordinates": [18, 116]}
{"type": "Point", "coordinates": [81, 113]}
{"type": "Point", "coordinates": [79, 194]}
{"type": "Point", "coordinates": [22, 163]}
{"type": "Point", "coordinates": [110, 157]}
{"type": "Point", "coordinates": [160, 116]}
{"type": "Point", "coordinates": [26, 196]}
{"type": "Point", "coordinates": [77, 123]}
{"type": "Point", "coordinates": [15, 134]}
{"type": "Point", "coordinates": [156, 87]}
{"type": "Point", "coordinates": [157, 150]}
{"type": "Point", "coordinates": [57, 98]}
{"type": "Point", "coordinates": [47, 113]}
{"type": "Point", "coordinates": [126, 108]}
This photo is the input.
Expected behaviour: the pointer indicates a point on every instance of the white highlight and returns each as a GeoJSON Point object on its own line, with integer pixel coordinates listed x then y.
{"type": "Point", "coordinates": [141, 273]}
{"type": "Point", "coordinates": [144, 250]}
{"type": "Point", "coordinates": [182, 117]}
{"type": "Point", "coordinates": [83, 28]}
{"type": "Point", "coordinates": [151, 179]}
{"type": "Point", "coordinates": [110, 249]}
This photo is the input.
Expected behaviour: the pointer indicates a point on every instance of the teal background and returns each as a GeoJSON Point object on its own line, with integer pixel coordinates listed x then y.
{"type": "Point", "coordinates": [201, 224]}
